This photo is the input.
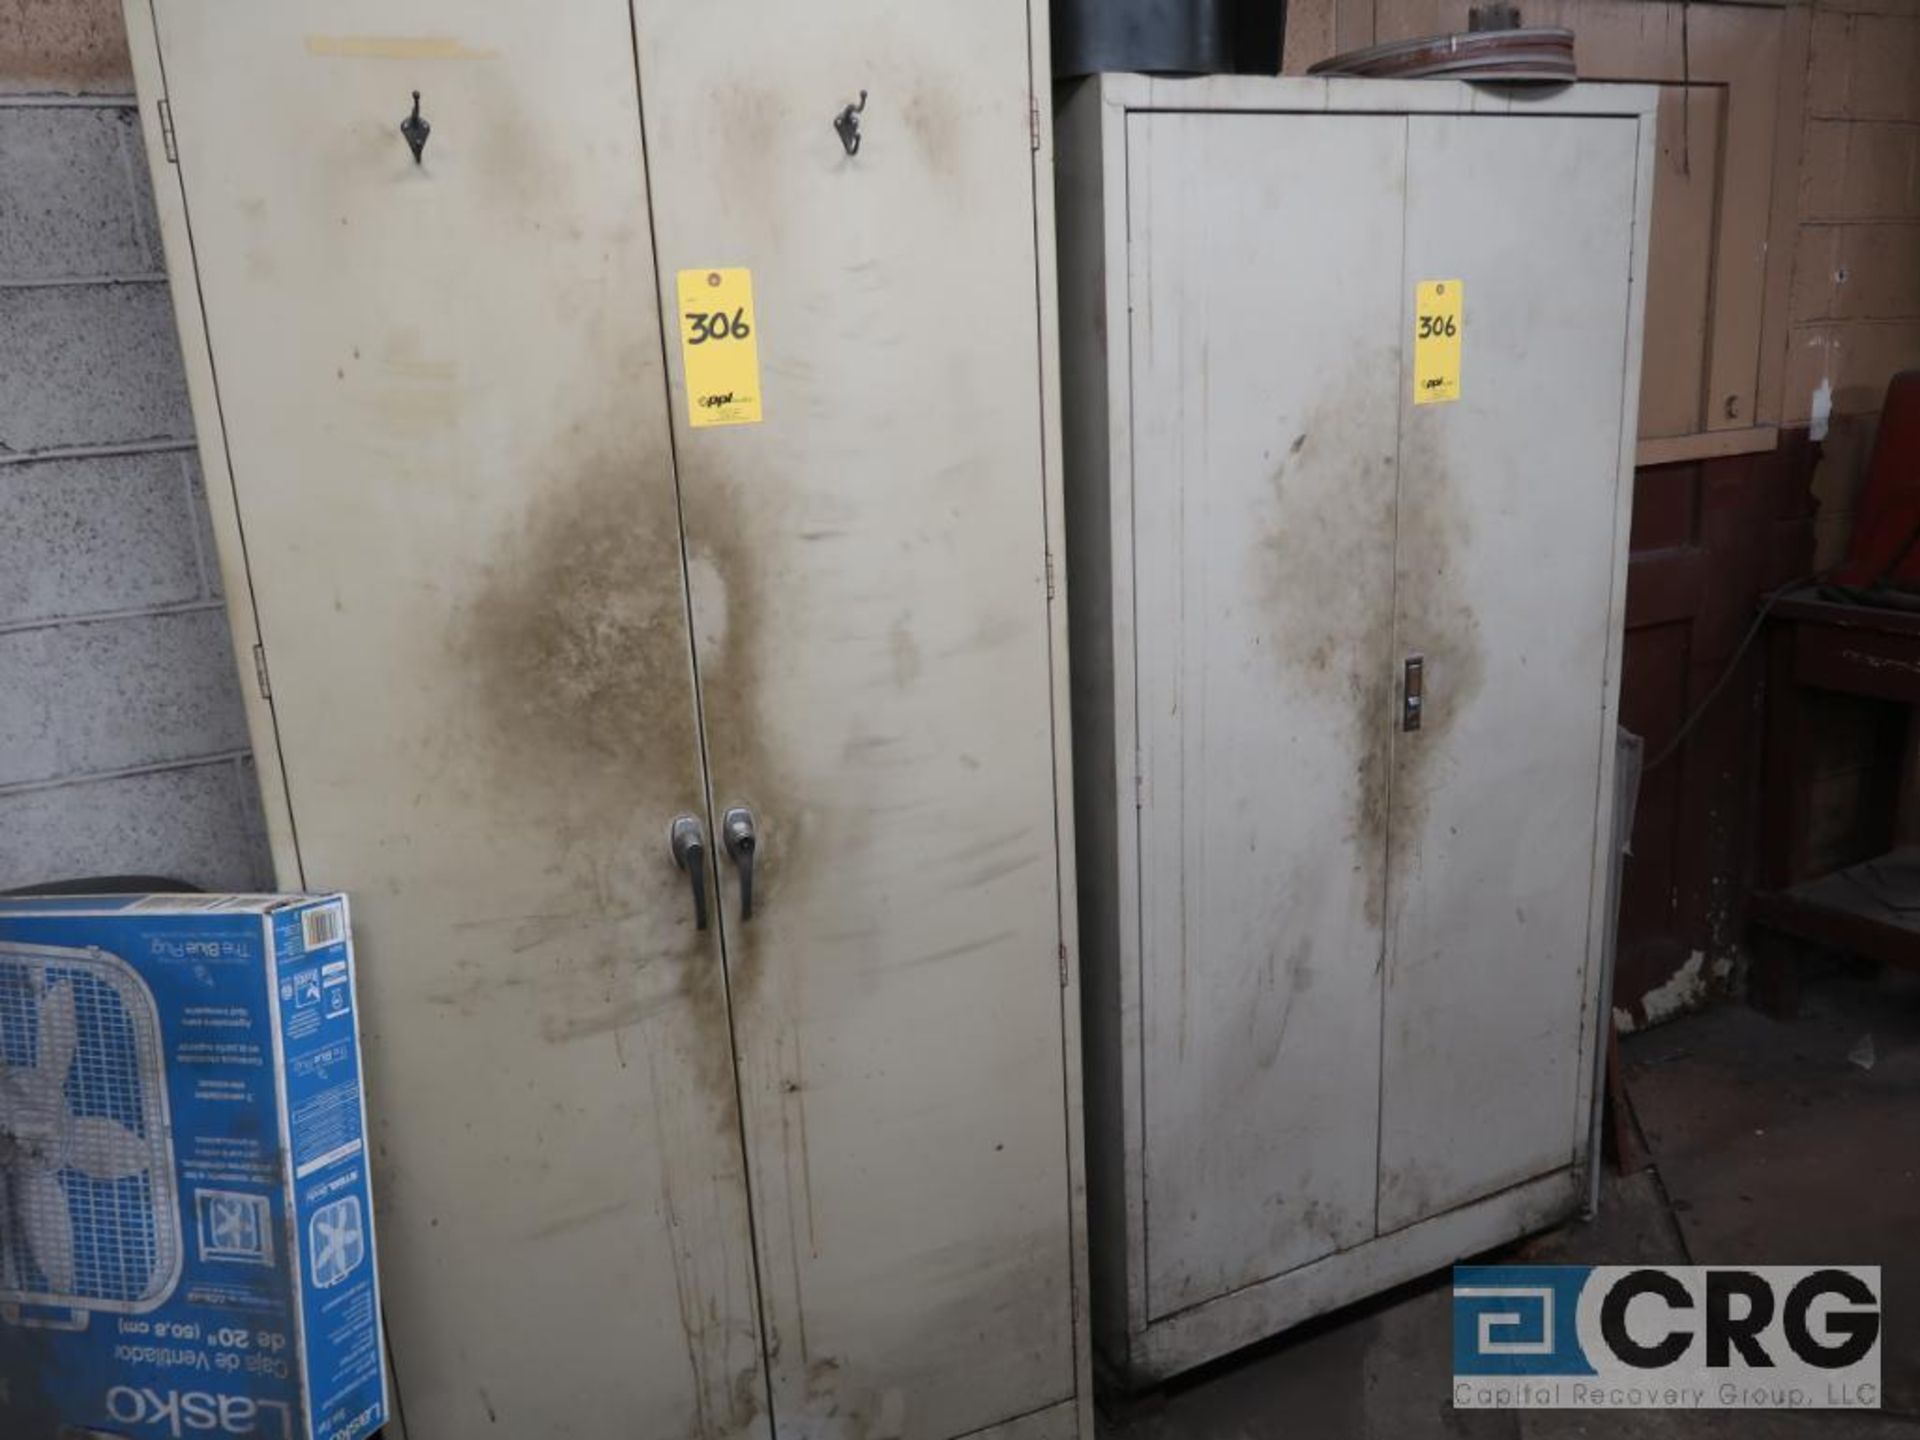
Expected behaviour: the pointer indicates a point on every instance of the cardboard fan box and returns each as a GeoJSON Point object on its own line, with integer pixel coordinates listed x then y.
{"type": "Point", "coordinates": [186, 1220]}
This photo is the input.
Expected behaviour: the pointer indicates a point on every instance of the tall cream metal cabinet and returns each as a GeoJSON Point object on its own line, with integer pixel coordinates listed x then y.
{"type": "Point", "coordinates": [562, 624]}
{"type": "Point", "coordinates": [1349, 378]}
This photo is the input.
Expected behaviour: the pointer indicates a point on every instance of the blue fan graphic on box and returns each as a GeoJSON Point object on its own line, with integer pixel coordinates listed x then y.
{"type": "Point", "coordinates": [87, 1217]}
{"type": "Point", "coordinates": [236, 1228]}
{"type": "Point", "coordinates": [339, 1242]}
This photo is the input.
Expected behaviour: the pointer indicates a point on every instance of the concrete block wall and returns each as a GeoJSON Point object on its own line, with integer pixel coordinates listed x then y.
{"type": "Point", "coordinates": [1856, 274]}
{"type": "Point", "coordinates": [123, 747]}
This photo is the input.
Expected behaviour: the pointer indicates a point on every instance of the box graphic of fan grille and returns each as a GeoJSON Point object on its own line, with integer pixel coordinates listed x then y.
{"type": "Point", "coordinates": [87, 1212]}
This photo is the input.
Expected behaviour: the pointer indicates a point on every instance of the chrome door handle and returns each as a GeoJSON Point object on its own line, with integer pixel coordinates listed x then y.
{"type": "Point", "coordinates": [736, 830]}
{"type": "Point", "coordinates": [689, 845]}
{"type": "Point", "coordinates": [1413, 692]}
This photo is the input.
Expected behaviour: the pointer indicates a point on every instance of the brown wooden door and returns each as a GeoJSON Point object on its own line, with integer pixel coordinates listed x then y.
{"type": "Point", "coordinates": [1709, 539]}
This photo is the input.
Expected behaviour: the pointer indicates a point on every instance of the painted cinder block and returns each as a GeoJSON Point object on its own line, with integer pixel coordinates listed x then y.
{"type": "Point", "coordinates": [93, 684]}
{"type": "Point", "coordinates": [200, 823]}
{"type": "Point", "coordinates": [92, 697]}
{"type": "Point", "coordinates": [90, 365]}
{"type": "Point", "coordinates": [1885, 61]}
{"type": "Point", "coordinates": [108, 533]}
{"type": "Point", "coordinates": [203, 528]}
{"type": "Point", "coordinates": [1862, 66]}
{"type": "Point", "coordinates": [1823, 169]}
{"type": "Point", "coordinates": [64, 46]}
{"type": "Point", "coordinates": [1815, 260]}
{"type": "Point", "coordinates": [1881, 269]}
{"type": "Point", "coordinates": [1880, 179]}
{"type": "Point", "coordinates": [1828, 54]}
{"type": "Point", "coordinates": [74, 196]}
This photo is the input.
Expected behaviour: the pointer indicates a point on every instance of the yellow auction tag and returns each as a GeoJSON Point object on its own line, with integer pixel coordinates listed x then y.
{"type": "Point", "coordinates": [1439, 317]}
{"type": "Point", "coordinates": [720, 345]}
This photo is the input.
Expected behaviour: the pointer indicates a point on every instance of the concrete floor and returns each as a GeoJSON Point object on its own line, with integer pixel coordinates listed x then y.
{"type": "Point", "coordinates": [1769, 1145]}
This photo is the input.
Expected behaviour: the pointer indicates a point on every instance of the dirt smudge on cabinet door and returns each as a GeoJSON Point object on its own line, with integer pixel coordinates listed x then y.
{"type": "Point", "coordinates": [581, 722]}
{"type": "Point", "coordinates": [776, 716]}
{"type": "Point", "coordinates": [1327, 573]}
{"type": "Point", "coordinates": [730, 620]}
{"type": "Point", "coordinates": [1410, 1189]}
{"type": "Point", "coordinates": [1436, 621]}
{"type": "Point", "coordinates": [836, 1405]}
{"type": "Point", "coordinates": [936, 119]}
{"type": "Point", "coordinates": [1364, 576]}
{"type": "Point", "coordinates": [711, 1279]}
{"type": "Point", "coordinates": [577, 643]}
{"type": "Point", "coordinates": [747, 623]}
{"type": "Point", "coordinates": [903, 651]}
{"type": "Point", "coordinates": [1266, 1034]}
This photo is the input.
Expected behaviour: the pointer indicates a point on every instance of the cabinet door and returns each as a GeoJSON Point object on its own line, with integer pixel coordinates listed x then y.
{"type": "Point", "coordinates": [1506, 569]}
{"type": "Point", "coordinates": [440, 388]}
{"type": "Point", "coordinates": [1266, 335]}
{"type": "Point", "coordinates": [869, 584]}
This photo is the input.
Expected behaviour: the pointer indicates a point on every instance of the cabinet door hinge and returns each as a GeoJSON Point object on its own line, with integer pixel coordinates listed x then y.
{"type": "Point", "coordinates": [166, 132]}
{"type": "Point", "coordinates": [1063, 964]}
{"type": "Point", "coordinates": [1139, 783]}
{"type": "Point", "coordinates": [1033, 123]}
{"type": "Point", "coordinates": [260, 671]}
{"type": "Point", "coordinates": [1050, 575]}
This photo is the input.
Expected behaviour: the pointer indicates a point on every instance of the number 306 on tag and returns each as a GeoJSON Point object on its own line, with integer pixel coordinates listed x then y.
{"type": "Point", "coordinates": [719, 347]}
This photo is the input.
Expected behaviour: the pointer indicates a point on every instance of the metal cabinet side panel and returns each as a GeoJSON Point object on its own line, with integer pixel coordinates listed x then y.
{"type": "Point", "coordinates": [1090, 185]}
{"type": "Point", "coordinates": [1598, 999]}
{"type": "Point", "coordinates": [1078, 1419]}
{"type": "Point", "coordinates": [868, 573]}
{"type": "Point", "coordinates": [461, 540]}
{"type": "Point", "coordinates": [230, 554]}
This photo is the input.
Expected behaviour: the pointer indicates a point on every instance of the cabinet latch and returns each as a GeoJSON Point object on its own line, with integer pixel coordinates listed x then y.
{"type": "Point", "coordinates": [1413, 692]}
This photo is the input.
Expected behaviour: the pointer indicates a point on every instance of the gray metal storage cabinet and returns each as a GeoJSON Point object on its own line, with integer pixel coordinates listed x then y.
{"type": "Point", "coordinates": [519, 616]}
{"type": "Point", "coordinates": [1346, 612]}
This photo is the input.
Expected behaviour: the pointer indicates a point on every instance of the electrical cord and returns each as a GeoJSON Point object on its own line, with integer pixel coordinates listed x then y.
{"type": "Point", "coordinates": [1767, 603]}
{"type": "Point", "coordinates": [1851, 594]}
{"type": "Point", "coordinates": [1866, 594]}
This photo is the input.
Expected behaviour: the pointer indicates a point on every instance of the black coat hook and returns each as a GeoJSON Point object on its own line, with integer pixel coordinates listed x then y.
{"type": "Point", "coordinates": [416, 129]}
{"type": "Point", "coordinates": [847, 125]}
